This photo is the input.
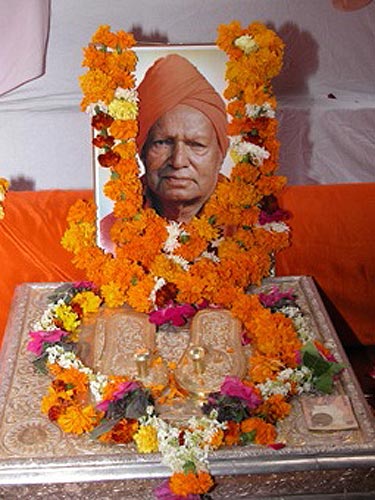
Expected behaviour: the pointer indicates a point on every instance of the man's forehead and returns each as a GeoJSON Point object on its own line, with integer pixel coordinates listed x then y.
{"type": "Point", "coordinates": [187, 124]}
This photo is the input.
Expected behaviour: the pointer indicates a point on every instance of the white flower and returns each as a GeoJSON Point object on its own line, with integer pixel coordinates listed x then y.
{"type": "Point", "coordinates": [93, 108]}
{"type": "Point", "coordinates": [130, 95]}
{"type": "Point", "coordinates": [209, 255]}
{"type": "Point", "coordinates": [256, 111]}
{"type": "Point", "coordinates": [159, 283]}
{"type": "Point", "coordinates": [277, 227]}
{"type": "Point", "coordinates": [97, 384]}
{"type": "Point", "coordinates": [246, 43]}
{"type": "Point", "coordinates": [180, 261]}
{"type": "Point", "coordinates": [241, 150]}
{"type": "Point", "coordinates": [174, 231]}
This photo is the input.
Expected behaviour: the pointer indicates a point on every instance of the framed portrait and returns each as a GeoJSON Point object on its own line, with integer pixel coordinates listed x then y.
{"type": "Point", "coordinates": [210, 62]}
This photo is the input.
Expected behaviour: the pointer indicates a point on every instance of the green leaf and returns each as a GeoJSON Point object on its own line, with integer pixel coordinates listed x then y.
{"type": "Point", "coordinates": [184, 238]}
{"type": "Point", "coordinates": [247, 437]}
{"type": "Point", "coordinates": [323, 370]}
{"type": "Point", "coordinates": [40, 364]}
{"type": "Point", "coordinates": [189, 467]}
{"type": "Point", "coordinates": [105, 426]}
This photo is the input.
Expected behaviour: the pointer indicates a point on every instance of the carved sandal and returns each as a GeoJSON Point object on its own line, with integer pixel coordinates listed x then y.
{"type": "Point", "coordinates": [214, 352]}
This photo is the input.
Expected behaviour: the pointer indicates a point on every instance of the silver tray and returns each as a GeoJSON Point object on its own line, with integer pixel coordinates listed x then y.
{"type": "Point", "coordinates": [38, 460]}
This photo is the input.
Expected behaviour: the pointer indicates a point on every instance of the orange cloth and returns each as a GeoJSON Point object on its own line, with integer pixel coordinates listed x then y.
{"type": "Point", "coordinates": [333, 241]}
{"type": "Point", "coordinates": [30, 249]}
{"type": "Point", "coordinates": [174, 80]}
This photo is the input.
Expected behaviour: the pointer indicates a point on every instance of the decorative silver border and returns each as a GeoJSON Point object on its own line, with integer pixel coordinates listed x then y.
{"type": "Point", "coordinates": [91, 463]}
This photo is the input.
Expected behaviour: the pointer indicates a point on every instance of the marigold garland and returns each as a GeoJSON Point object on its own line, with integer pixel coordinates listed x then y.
{"type": "Point", "coordinates": [4, 185]}
{"type": "Point", "coordinates": [169, 270]}
{"type": "Point", "coordinates": [200, 254]}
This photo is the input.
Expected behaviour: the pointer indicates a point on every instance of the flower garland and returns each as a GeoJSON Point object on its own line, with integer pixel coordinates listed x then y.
{"type": "Point", "coordinates": [158, 262]}
{"type": "Point", "coordinates": [170, 270]}
{"type": "Point", "coordinates": [4, 185]}
{"type": "Point", "coordinates": [118, 409]}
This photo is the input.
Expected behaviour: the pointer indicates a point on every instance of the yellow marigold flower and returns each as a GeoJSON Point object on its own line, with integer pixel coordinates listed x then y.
{"type": "Point", "coordinates": [97, 86]}
{"type": "Point", "coordinates": [49, 400]}
{"type": "Point", "coordinates": [113, 295]}
{"type": "Point", "coordinates": [67, 317]}
{"type": "Point", "coordinates": [78, 236]}
{"type": "Point", "coordinates": [89, 301]}
{"type": "Point", "coordinates": [123, 110]}
{"type": "Point", "coordinates": [4, 185]}
{"type": "Point", "coordinates": [78, 420]}
{"type": "Point", "coordinates": [146, 439]}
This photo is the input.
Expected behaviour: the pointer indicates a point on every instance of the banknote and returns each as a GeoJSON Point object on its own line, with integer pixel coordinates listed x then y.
{"type": "Point", "coordinates": [328, 413]}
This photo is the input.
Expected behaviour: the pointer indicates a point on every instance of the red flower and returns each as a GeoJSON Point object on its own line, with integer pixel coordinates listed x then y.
{"type": "Point", "coordinates": [101, 141]}
{"type": "Point", "coordinates": [101, 120]}
{"type": "Point", "coordinates": [109, 159]}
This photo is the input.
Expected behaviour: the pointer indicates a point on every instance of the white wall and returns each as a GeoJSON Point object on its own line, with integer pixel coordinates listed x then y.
{"type": "Point", "coordinates": [45, 138]}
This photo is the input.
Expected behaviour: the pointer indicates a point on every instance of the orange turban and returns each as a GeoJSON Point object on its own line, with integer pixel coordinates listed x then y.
{"type": "Point", "coordinates": [173, 80]}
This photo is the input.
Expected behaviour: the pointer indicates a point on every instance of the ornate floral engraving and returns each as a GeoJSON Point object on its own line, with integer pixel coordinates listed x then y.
{"type": "Point", "coordinates": [32, 448]}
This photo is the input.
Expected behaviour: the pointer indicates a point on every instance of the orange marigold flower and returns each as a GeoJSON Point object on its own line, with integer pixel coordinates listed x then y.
{"type": "Point", "coordinates": [263, 368]}
{"type": "Point", "coordinates": [124, 130]}
{"type": "Point", "coordinates": [138, 296]}
{"type": "Point", "coordinates": [75, 378]}
{"type": "Point", "coordinates": [232, 433]}
{"type": "Point", "coordinates": [185, 484]}
{"type": "Point", "coordinates": [274, 408]}
{"type": "Point", "coordinates": [217, 439]}
{"type": "Point", "coordinates": [104, 36]}
{"type": "Point", "coordinates": [265, 433]}
{"type": "Point", "coordinates": [125, 40]}
{"type": "Point", "coordinates": [121, 433]}
{"type": "Point", "coordinates": [82, 211]}
{"type": "Point", "coordinates": [227, 33]}
{"type": "Point", "coordinates": [78, 420]}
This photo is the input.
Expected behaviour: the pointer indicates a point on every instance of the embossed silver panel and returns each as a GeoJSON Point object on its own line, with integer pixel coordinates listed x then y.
{"type": "Point", "coordinates": [37, 460]}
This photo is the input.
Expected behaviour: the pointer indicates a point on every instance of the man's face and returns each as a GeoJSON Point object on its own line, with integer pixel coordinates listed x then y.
{"type": "Point", "coordinates": [182, 157]}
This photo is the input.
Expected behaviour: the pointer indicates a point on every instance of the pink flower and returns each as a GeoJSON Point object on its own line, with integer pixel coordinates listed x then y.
{"type": "Point", "coordinates": [276, 446]}
{"type": "Point", "coordinates": [175, 314]}
{"type": "Point", "coordinates": [276, 216]}
{"type": "Point", "coordinates": [274, 296]}
{"type": "Point", "coordinates": [163, 492]}
{"type": "Point", "coordinates": [123, 389]}
{"type": "Point", "coordinates": [40, 337]}
{"type": "Point", "coordinates": [87, 285]}
{"type": "Point", "coordinates": [233, 387]}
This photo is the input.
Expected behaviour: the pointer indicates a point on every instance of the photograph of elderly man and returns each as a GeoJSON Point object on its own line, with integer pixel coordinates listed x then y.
{"type": "Point", "coordinates": [182, 140]}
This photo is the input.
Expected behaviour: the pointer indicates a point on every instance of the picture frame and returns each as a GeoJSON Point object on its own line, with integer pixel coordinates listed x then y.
{"type": "Point", "coordinates": [207, 58]}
